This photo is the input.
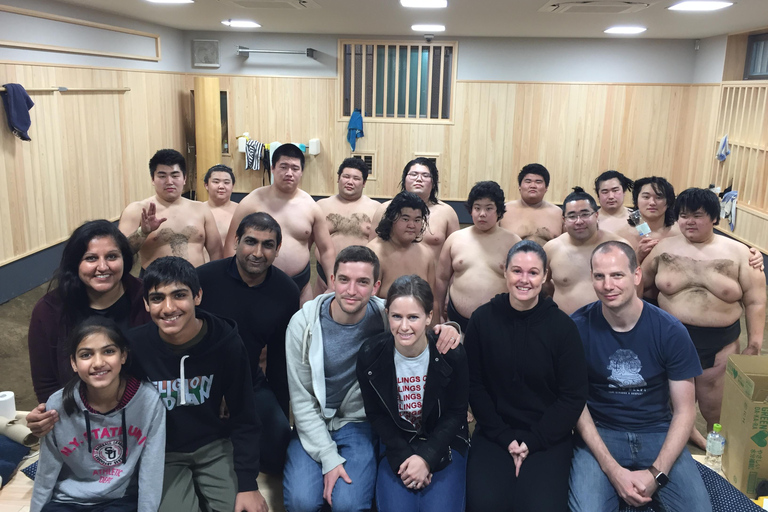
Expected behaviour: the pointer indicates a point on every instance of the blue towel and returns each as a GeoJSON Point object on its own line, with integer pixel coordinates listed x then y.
{"type": "Point", "coordinates": [722, 149]}
{"type": "Point", "coordinates": [355, 128]}
{"type": "Point", "coordinates": [17, 104]}
{"type": "Point", "coordinates": [11, 454]}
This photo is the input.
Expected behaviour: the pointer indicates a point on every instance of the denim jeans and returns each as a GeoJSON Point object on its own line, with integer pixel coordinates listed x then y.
{"type": "Point", "coordinates": [446, 493]}
{"type": "Point", "coordinates": [592, 491]}
{"type": "Point", "coordinates": [303, 476]}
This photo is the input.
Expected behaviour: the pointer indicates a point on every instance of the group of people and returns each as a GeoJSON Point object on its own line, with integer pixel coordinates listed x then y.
{"type": "Point", "coordinates": [538, 319]}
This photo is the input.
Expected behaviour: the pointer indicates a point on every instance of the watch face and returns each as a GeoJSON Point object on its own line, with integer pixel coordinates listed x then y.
{"type": "Point", "coordinates": [662, 479]}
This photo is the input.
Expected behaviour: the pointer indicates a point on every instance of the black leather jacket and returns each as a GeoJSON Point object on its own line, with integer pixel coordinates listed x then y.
{"type": "Point", "coordinates": [444, 413]}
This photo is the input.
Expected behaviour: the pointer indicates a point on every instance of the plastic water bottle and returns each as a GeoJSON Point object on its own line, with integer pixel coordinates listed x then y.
{"type": "Point", "coordinates": [715, 447]}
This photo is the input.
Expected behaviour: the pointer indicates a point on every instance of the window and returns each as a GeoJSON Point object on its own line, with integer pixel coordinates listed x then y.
{"type": "Point", "coordinates": [396, 80]}
{"type": "Point", "coordinates": [756, 67]}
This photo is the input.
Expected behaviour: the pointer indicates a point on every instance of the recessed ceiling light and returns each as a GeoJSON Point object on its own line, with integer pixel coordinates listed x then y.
{"type": "Point", "coordinates": [625, 30]}
{"type": "Point", "coordinates": [425, 4]}
{"type": "Point", "coordinates": [428, 28]}
{"type": "Point", "coordinates": [171, 1]}
{"type": "Point", "coordinates": [241, 24]}
{"type": "Point", "coordinates": [699, 5]}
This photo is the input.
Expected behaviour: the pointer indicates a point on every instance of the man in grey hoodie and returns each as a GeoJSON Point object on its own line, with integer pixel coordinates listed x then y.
{"type": "Point", "coordinates": [332, 439]}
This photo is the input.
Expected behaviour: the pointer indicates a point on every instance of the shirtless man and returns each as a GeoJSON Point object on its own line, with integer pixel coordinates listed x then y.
{"type": "Point", "coordinates": [219, 182]}
{"type": "Point", "coordinates": [610, 188]}
{"type": "Point", "coordinates": [420, 177]}
{"type": "Point", "coordinates": [167, 224]}
{"type": "Point", "coordinates": [531, 217]}
{"type": "Point", "coordinates": [397, 245]}
{"type": "Point", "coordinates": [300, 219]}
{"type": "Point", "coordinates": [569, 277]}
{"type": "Point", "coordinates": [654, 198]}
{"type": "Point", "coordinates": [348, 213]}
{"type": "Point", "coordinates": [475, 257]}
{"type": "Point", "coordinates": [705, 280]}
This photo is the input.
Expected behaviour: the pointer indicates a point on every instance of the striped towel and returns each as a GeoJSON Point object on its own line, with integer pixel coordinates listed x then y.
{"type": "Point", "coordinates": [253, 151]}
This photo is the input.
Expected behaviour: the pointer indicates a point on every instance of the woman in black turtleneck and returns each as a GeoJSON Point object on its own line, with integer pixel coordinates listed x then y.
{"type": "Point", "coordinates": [527, 389]}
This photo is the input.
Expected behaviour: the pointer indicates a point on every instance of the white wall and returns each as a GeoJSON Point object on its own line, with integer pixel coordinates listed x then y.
{"type": "Point", "coordinates": [577, 60]}
{"type": "Point", "coordinates": [174, 50]}
{"type": "Point", "coordinates": [710, 60]}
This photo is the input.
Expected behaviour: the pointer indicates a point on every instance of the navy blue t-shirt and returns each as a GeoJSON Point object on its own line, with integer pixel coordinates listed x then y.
{"type": "Point", "coordinates": [629, 372]}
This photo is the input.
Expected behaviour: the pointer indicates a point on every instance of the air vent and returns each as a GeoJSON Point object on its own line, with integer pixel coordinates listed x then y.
{"type": "Point", "coordinates": [276, 4]}
{"type": "Point", "coordinates": [369, 159]}
{"type": "Point", "coordinates": [595, 7]}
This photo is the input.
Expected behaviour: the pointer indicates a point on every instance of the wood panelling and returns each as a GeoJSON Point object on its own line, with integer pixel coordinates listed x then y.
{"type": "Point", "coordinates": [207, 129]}
{"type": "Point", "coordinates": [89, 151]}
{"type": "Point", "coordinates": [751, 227]}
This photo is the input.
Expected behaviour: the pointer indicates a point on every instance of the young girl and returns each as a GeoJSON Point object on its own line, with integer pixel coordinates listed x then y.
{"type": "Point", "coordinates": [416, 400]}
{"type": "Point", "coordinates": [107, 451]}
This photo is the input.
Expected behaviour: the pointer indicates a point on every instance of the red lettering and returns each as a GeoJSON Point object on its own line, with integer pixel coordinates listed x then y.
{"type": "Point", "coordinates": [134, 431]}
{"type": "Point", "coordinates": [74, 442]}
{"type": "Point", "coordinates": [66, 451]}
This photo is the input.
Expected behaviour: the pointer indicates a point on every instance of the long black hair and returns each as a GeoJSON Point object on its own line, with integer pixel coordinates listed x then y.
{"type": "Point", "coordinates": [66, 280]}
{"type": "Point", "coordinates": [89, 327]}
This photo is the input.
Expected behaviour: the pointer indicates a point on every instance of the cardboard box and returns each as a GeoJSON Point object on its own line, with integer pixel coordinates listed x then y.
{"type": "Point", "coordinates": [744, 418]}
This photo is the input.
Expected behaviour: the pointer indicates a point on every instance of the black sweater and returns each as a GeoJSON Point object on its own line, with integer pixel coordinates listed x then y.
{"type": "Point", "coordinates": [262, 313]}
{"type": "Point", "coordinates": [217, 367]}
{"type": "Point", "coordinates": [444, 410]}
{"type": "Point", "coordinates": [527, 373]}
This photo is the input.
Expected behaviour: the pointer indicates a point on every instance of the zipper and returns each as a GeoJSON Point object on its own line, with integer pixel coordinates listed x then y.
{"type": "Point", "coordinates": [390, 412]}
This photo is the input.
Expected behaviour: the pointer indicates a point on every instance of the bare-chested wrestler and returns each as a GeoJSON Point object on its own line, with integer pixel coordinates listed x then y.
{"type": "Point", "coordinates": [348, 214]}
{"type": "Point", "coordinates": [654, 198]}
{"type": "Point", "coordinates": [300, 219]}
{"type": "Point", "coordinates": [399, 245]}
{"type": "Point", "coordinates": [531, 217]}
{"type": "Point", "coordinates": [167, 224]}
{"type": "Point", "coordinates": [420, 176]}
{"type": "Point", "coordinates": [610, 188]}
{"type": "Point", "coordinates": [475, 256]}
{"type": "Point", "coordinates": [219, 182]}
{"type": "Point", "coordinates": [568, 256]}
{"type": "Point", "coordinates": [705, 280]}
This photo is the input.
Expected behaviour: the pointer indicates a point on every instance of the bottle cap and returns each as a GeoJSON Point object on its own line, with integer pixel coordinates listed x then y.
{"type": "Point", "coordinates": [717, 427]}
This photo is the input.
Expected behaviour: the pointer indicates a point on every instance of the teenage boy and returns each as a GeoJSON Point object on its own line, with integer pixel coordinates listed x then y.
{"type": "Point", "coordinates": [196, 360]}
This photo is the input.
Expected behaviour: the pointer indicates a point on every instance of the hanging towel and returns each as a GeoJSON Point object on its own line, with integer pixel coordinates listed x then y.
{"type": "Point", "coordinates": [17, 104]}
{"type": "Point", "coordinates": [722, 149]}
{"type": "Point", "coordinates": [253, 150]}
{"type": "Point", "coordinates": [728, 208]}
{"type": "Point", "coordinates": [355, 128]}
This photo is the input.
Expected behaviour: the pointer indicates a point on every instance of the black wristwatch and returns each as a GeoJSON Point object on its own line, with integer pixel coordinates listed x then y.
{"type": "Point", "coordinates": [661, 478]}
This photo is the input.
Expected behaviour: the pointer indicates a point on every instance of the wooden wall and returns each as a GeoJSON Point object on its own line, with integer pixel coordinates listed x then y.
{"type": "Point", "coordinates": [89, 153]}
{"type": "Point", "coordinates": [89, 150]}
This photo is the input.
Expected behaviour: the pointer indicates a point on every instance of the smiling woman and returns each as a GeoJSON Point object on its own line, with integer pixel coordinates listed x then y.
{"type": "Point", "coordinates": [93, 279]}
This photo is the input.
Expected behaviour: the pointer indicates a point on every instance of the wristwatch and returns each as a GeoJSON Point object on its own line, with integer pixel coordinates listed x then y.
{"type": "Point", "coordinates": [661, 478]}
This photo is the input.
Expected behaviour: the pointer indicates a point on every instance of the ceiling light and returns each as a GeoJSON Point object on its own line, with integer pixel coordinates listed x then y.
{"type": "Point", "coordinates": [625, 30]}
{"type": "Point", "coordinates": [696, 5]}
{"type": "Point", "coordinates": [171, 1]}
{"type": "Point", "coordinates": [425, 4]}
{"type": "Point", "coordinates": [428, 28]}
{"type": "Point", "coordinates": [241, 24]}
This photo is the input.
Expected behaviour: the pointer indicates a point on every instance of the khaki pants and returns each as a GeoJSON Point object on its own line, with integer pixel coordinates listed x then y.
{"type": "Point", "coordinates": [207, 475]}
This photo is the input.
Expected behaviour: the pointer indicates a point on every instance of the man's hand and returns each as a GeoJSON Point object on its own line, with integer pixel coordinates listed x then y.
{"type": "Point", "coordinates": [40, 421]}
{"type": "Point", "coordinates": [149, 221]}
{"type": "Point", "coordinates": [645, 247]}
{"type": "Point", "coordinates": [756, 259]}
{"type": "Point", "coordinates": [645, 483]}
{"type": "Point", "coordinates": [751, 350]}
{"type": "Point", "coordinates": [519, 453]}
{"type": "Point", "coordinates": [329, 481]}
{"type": "Point", "coordinates": [414, 472]}
{"type": "Point", "coordinates": [448, 337]}
{"type": "Point", "coordinates": [631, 486]}
{"type": "Point", "coordinates": [250, 501]}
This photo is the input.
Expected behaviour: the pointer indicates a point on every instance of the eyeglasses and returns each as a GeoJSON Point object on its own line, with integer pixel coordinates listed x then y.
{"type": "Point", "coordinates": [573, 217]}
{"type": "Point", "coordinates": [423, 175]}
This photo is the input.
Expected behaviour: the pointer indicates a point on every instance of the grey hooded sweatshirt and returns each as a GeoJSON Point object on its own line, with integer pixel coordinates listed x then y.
{"type": "Point", "coordinates": [91, 458]}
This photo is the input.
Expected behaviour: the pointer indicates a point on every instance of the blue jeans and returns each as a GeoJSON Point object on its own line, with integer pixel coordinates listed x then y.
{"type": "Point", "coordinates": [303, 476]}
{"type": "Point", "coordinates": [591, 491]}
{"type": "Point", "coordinates": [446, 493]}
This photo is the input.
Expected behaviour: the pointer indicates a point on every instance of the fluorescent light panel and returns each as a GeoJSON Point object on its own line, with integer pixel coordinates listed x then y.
{"type": "Point", "coordinates": [241, 24]}
{"type": "Point", "coordinates": [425, 4]}
{"type": "Point", "coordinates": [171, 1]}
{"type": "Point", "coordinates": [699, 5]}
{"type": "Point", "coordinates": [428, 28]}
{"type": "Point", "coordinates": [625, 30]}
